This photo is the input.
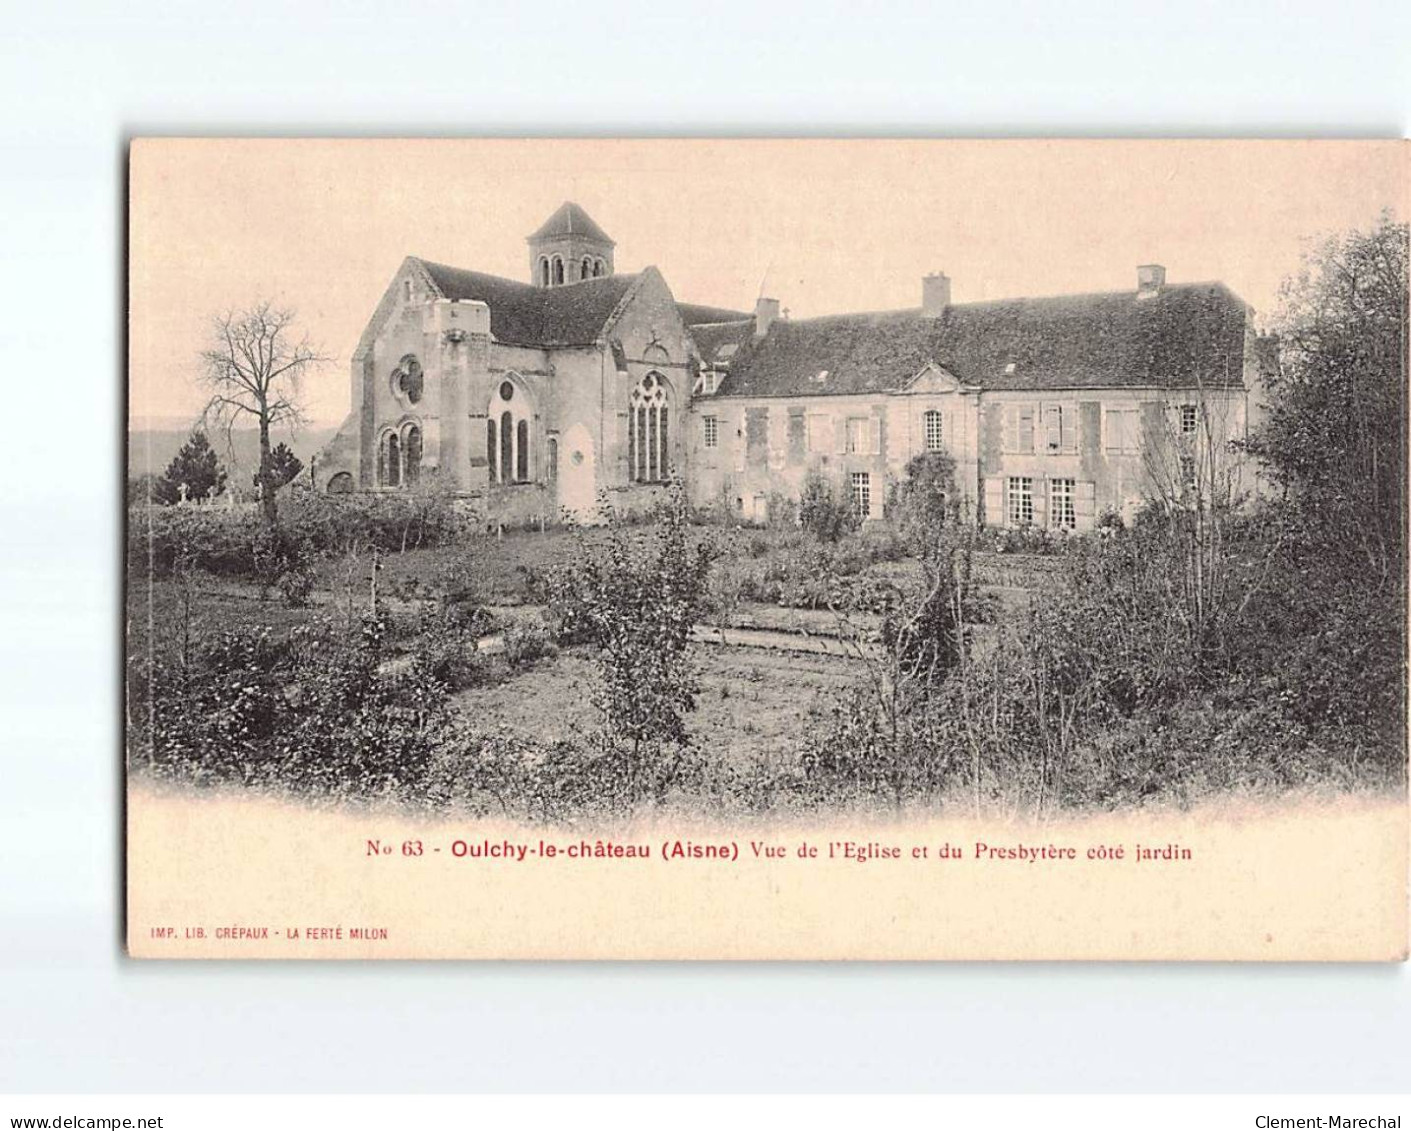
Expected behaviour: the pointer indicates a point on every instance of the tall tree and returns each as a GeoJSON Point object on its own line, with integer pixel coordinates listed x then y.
{"type": "Point", "coordinates": [196, 466]}
{"type": "Point", "coordinates": [254, 366]}
{"type": "Point", "coordinates": [1335, 438]}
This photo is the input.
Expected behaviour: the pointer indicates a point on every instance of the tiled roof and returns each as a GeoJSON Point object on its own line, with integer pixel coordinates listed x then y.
{"type": "Point", "coordinates": [694, 315]}
{"type": "Point", "coordinates": [525, 315]}
{"type": "Point", "coordinates": [1185, 336]}
{"type": "Point", "coordinates": [569, 219]}
{"type": "Point", "coordinates": [711, 337]}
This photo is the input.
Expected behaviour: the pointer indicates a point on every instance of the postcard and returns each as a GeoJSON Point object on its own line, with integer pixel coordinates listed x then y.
{"type": "Point", "coordinates": [766, 549]}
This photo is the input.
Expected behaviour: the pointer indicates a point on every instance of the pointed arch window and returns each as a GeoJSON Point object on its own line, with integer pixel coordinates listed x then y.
{"type": "Point", "coordinates": [648, 431]}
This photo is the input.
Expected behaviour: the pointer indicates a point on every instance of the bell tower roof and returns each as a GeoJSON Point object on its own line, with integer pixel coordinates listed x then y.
{"type": "Point", "coordinates": [569, 219]}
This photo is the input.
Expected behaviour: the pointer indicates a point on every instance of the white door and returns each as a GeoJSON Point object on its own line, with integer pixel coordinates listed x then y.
{"type": "Point", "coordinates": [578, 485]}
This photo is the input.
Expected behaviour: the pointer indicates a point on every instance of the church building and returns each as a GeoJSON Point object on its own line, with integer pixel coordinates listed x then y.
{"type": "Point", "coordinates": [583, 387]}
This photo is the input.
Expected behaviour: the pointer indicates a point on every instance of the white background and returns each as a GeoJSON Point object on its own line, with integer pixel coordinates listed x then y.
{"type": "Point", "coordinates": [76, 80]}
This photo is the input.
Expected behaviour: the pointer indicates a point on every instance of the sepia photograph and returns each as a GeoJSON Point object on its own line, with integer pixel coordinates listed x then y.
{"type": "Point", "coordinates": [766, 549]}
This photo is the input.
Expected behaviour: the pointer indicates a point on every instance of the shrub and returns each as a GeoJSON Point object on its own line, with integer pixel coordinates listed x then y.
{"type": "Point", "coordinates": [525, 642]}
{"type": "Point", "coordinates": [637, 604]}
{"type": "Point", "coordinates": [822, 513]}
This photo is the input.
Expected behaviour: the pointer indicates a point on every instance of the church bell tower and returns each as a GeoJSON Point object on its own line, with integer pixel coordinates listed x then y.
{"type": "Point", "coordinates": [569, 248]}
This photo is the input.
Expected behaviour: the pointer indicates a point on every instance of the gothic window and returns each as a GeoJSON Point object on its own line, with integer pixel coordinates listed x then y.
{"type": "Point", "coordinates": [408, 381]}
{"type": "Point", "coordinates": [648, 432]}
{"type": "Point", "coordinates": [552, 470]}
{"type": "Point", "coordinates": [411, 453]}
{"type": "Point", "coordinates": [558, 271]}
{"type": "Point", "coordinates": [507, 435]}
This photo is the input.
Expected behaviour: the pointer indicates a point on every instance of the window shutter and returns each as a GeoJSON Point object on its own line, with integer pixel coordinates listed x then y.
{"type": "Point", "coordinates": [1070, 428]}
{"type": "Point", "coordinates": [1010, 440]}
{"type": "Point", "coordinates": [994, 501]}
{"type": "Point", "coordinates": [874, 438]}
{"type": "Point", "coordinates": [1053, 428]}
{"type": "Point", "coordinates": [1040, 501]}
{"type": "Point", "coordinates": [1085, 505]}
{"type": "Point", "coordinates": [840, 435]}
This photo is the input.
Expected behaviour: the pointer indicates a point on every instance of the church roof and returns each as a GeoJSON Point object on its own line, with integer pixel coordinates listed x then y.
{"type": "Point", "coordinates": [1187, 335]}
{"type": "Point", "coordinates": [569, 219]}
{"type": "Point", "coordinates": [526, 315]}
{"type": "Point", "coordinates": [569, 315]}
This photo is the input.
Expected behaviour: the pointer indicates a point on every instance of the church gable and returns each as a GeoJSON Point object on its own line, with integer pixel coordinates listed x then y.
{"type": "Point", "coordinates": [647, 327]}
{"type": "Point", "coordinates": [410, 285]}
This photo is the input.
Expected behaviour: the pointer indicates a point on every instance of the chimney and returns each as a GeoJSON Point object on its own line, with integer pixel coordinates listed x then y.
{"type": "Point", "coordinates": [1151, 277]}
{"type": "Point", "coordinates": [766, 310]}
{"type": "Point", "coordinates": [935, 294]}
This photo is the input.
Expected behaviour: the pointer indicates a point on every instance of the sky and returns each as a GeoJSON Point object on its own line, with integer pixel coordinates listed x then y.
{"type": "Point", "coordinates": [824, 226]}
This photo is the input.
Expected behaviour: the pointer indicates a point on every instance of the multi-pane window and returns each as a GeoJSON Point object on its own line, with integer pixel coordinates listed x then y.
{"type": "Point", "coordinates": [935, 439]}
{"type": "Point", "coordinates": [711, 427]}
{"type": "Point", "coordinates": [1123, 431]}
{"type": "Point", "coordinates": [1062, 512]}
{"type": "Point", "coordinates": [862, 493]}
{"type": "Point", "coordinates": [1188, 420]}
{"type": "Point", "coordinates": [647, 431]}
{"type": "Point", "coordinates": [1021, 500]}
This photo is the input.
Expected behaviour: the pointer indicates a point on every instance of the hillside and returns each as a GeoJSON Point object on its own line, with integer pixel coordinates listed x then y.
{"type": "Point", "coordinates": [151, 448]}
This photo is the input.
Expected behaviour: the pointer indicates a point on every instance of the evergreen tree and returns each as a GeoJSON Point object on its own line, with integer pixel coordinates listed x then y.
{"type": "Point", "coordinates": [283, 467]}
{"type": "Point", "coordinates": [197, 466]}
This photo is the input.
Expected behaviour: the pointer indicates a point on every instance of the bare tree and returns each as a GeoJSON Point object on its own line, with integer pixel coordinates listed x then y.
{"type": "Point", "coordinates": [254, 366]}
